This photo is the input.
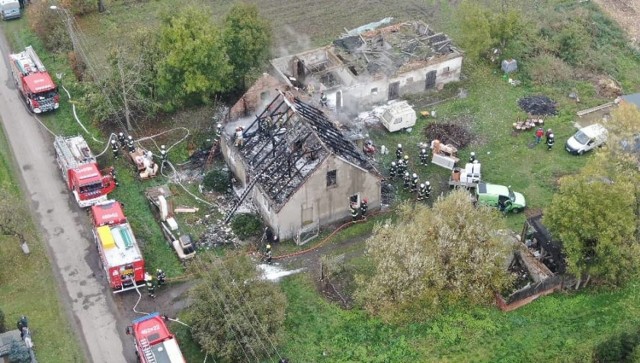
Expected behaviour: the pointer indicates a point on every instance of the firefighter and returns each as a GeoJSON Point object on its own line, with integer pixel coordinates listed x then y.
{"type": "Point", "coordinates": [427, 191]}
{"type": "Point", "coordinates": [22, 324]}
{"type": "Point", "coordinates": [407, 180]}
{"type": "Point", "coordinates": [369, 148]}
{"type": "Point", "coordinates": [323, 100]}
{"type": "Point", "coordinates": [112, 172]}
{"type": "Point", "coordinates": [364, 207]}
{"type": "Point", "coordinates": [268, 254]}
{"type": "Point", "coordinates": [472, 157]}
{"type": "Point", "coordinates": [239, 136]}
{"type": "Point", "coordinates": [163, 155]}
{"type": "Point", "coordinates": [399, 152]}
{"type": "Point", "coordinates": [114, 148]}
{"type": "Point", "coordinates": [550, 141]}
{"type": "Point", "coordinates": [414, 183]}
{"type": "Point", "coordinates": [218, 131]}
{"type": "Point", "coordinates": [161, 277]}
{"type": "Point", "coordinates": [401, 167]}
{"type": "Point", "coordinates": [393, 170]}
{"type": "Point", "coordinates": [424, 157]}
{"type": "Point", "coordinates": [354, 211]}
{"type": "Point", "coordinates": [151, 286]}
{"type": "Point", "coordinates": [422, 192]}
{"type": "Point", "coordinates": [121, 139]}
{"type": "Point", "coordinates": [130, 144]}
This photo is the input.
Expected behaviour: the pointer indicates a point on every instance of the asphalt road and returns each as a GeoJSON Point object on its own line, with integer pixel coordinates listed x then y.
{"type": "Point", "coordinates": [65, 228]}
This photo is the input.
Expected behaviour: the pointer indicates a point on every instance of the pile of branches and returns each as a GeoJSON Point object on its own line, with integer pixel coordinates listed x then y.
{"type": "Point", "coordinates": [538, 105]}
{"type": "Point", "coordinates": [451, 134]}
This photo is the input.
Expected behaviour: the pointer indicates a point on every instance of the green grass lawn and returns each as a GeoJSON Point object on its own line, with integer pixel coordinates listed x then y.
{"type": "Point", "coordinates": [561, 327]}
{"type": "Point", "coordinates": [28, 285]}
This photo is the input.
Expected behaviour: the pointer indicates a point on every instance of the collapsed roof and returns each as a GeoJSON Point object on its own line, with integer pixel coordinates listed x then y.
{"type": "Point", "coordinates": [376, 53]}
{"type": "Point", "coordinates": [288, 141]}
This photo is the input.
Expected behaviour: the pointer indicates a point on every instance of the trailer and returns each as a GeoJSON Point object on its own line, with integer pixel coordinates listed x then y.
{"type": "Point", "coordinates": [80, 171]}
{"type": "Point", "coordinates": [153, 341]}
{"type": "Point", "coordinates": [119, 252]}
{"type": "Point", "coordinates": [33, 81]}
{"type": "Point", "coordinates": [468, 178]}
{"type": "Point", "coordinates": [163, 210]}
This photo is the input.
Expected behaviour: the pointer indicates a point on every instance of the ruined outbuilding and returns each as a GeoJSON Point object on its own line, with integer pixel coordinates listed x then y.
{"type": "Point", "coordinates": [297, 167]}
{"type": "Point", "coordinates": [375, 66]}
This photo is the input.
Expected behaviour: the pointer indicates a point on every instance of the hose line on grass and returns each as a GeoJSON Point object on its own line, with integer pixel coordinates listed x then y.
{"type": "Point", "coordinates": [75, 115]}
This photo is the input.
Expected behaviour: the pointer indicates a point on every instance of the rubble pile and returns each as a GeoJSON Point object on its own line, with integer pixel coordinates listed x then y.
{"type": "Point", "coordinates": [216, 234]}
{"type": "Point", "coordinates": [538, 105]}
{"type": "Point", "coordinates": [451, 134]}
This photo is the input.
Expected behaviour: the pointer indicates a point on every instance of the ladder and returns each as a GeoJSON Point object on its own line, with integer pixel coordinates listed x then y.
{"type": "Point", "coordinates": [146, 350]}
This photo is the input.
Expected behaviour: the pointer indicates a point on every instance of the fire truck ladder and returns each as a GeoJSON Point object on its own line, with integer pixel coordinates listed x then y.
{"type": "Point", "coordinates": [36, 60]}
{"type": "Point", "coordinates": [146, 350]}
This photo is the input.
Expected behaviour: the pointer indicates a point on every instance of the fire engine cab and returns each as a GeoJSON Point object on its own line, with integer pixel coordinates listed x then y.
{"type": "Point", "coordinates": [119, 251]}
{"type": "Point", "coordinates": [33, 81]}
{"type": "Point", "coordinates": [80, 171]}
{"type": "Point", "coordinates": [153, 340]}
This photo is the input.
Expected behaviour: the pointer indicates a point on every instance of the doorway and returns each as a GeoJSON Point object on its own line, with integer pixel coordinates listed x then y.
{"type": "Point", "coordinates": [430, 83]}
{"type": "Point", "coordinates": [394, 90]}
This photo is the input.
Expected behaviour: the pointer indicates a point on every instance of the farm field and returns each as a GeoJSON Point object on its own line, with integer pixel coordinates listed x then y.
{"type": "Point", "coordinates": [563, 327]}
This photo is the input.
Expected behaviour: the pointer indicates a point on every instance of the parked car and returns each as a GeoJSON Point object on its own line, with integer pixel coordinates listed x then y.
{"type": "Point", "coordinates": [501, 197]}
{"type": "Point", "coordinates": [586, 138]}
{"type": "Point", "coordinates": [10, 9]}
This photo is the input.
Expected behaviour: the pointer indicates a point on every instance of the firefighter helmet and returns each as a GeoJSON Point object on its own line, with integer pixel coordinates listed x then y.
{"type": "Point", "coordinates": [406, 173]}
{"type": "Point", "coordinates": [148, 277]}
{"type": "Point", "coordinates": [428, 182]}
{"type": "Point", "coordinates": [415, 175]}
{"type": "Point", "coordinates": [424, 151]}
{"type": "Point", "coordinates": [399, 146]}
{"type": "Point", "coordinates": [406, 157]}
{"type": "Point", "coordinates": [473, 153]}
{"type": "Point", "coordinates": [422, 185]}
{"type": "Point", "coordinates": [113, 142]}
{"type": "Point", "coordinates": [268, 247]}
{"type": "Point", "coordinates": [393, 163]}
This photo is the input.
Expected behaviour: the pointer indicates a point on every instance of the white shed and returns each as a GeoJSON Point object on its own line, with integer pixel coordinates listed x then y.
{"type": "Point", "coordinates": [400, 115]}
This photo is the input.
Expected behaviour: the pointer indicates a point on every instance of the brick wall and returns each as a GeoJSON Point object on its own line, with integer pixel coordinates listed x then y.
{"type": "Point", "coordinates": [257, 96]}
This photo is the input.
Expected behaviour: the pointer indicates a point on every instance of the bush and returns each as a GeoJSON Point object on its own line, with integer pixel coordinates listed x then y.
{"type": "Point", "coordinates": [49, 26]}
{"type": "Point", "coordinates": [217, 180]}
{"type": "Point", "coordinates": [246, 225]}
{"type": "Point", "coordinates": [619, 348]}
{"type": "Point", "coordinates": [18, 352]}
{"type": "Point", "coordinates": [546, 69]}
{"type": "Point", "coordinates": [3, 326]}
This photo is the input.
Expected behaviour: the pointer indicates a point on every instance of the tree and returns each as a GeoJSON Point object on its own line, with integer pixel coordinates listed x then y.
{"type": "Point", "coordinates": [3, 325]}
{"type": "Point", "coordinates": [13, 214]}
{"type": "Point", "coordinates": [194, 63]}
{"type": "Point", "coordinates": [475, 37]}
{"type": "Point", "coordinates": [434, 256]}
{"type": "Point", "coordinates": [236, 315]}
{"type": "Point", "coordinates": [594, 215]}
{"type": "Point", "coordinates": [505, 25]}
{"type": "Point", "coordinates": [247, 38]}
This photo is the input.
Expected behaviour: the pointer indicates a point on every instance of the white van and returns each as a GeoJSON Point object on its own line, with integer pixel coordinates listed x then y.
{"type": "Point", "coordinates": [10, 9]}
{"type": "Point", "coordinates": [586, 138]}
{"type": "Point", "coordinates": [399, 116]}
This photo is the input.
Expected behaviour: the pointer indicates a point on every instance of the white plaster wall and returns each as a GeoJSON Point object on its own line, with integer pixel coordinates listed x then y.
{"type": "Point", "coordinates": [330, 204]}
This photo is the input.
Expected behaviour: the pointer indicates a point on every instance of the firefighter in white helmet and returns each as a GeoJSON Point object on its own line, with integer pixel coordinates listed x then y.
{"type": "Point", "coordinates": [414, 183]}
{"type": "Point", "coordinates": [399, 152]}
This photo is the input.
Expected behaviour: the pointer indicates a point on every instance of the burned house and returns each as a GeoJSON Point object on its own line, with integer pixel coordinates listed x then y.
{"type": "Point", "coordinates": [297, 166]}
{"type": "Point", "coordinates": [375, 66]}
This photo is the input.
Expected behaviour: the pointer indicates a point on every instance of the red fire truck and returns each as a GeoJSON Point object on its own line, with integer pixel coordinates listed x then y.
{"type": "Point", "coordinates": [80, 171]}
{"type": "Point", "coordinates": [153, 340]}
{"type": "Point", "coordinates": [119, 252]}
{"type": "Point", "coordinates": [33, 81]}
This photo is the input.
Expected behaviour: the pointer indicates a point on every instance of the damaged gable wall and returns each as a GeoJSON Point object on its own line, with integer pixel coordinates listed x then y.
{"type": "Point", "coordinates": [315, 202]}
{"type": "Point", "coordinates": [256, 97]}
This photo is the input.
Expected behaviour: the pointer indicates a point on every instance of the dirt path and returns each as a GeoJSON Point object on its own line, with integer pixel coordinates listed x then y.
{"type": "Point", "coordinates": [626, 13]}
{"type": "Point", "coordinates": [64, 226]}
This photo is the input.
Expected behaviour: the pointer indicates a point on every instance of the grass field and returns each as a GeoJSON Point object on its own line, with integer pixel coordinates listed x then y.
{"type": "Point", "coordinates": [563, 327]}
{"type": "Point", "coordinates": [28, 286]}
